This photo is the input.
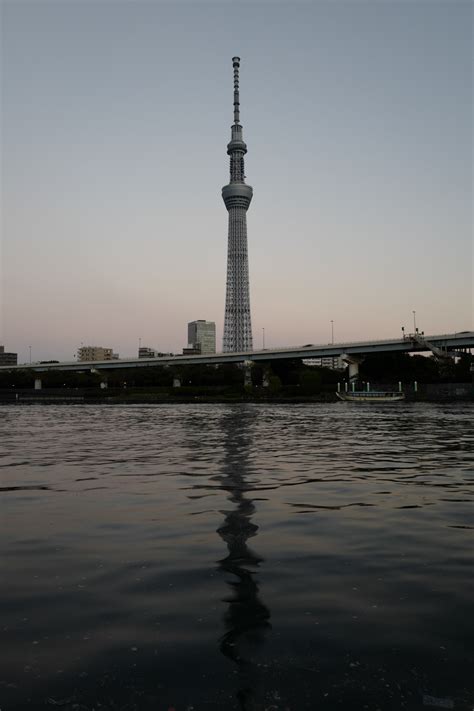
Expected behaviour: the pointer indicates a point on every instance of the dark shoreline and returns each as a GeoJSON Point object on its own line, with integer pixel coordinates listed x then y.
{"type": "Point", "coordinates": [456, 392]}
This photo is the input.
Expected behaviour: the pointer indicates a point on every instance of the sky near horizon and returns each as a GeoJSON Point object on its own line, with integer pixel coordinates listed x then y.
{"type": "Point", "coordinates": [115, 119]}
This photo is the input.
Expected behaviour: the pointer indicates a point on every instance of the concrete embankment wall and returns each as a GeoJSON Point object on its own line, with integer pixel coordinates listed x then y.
{"type": "Point", "coordinates": [445, 391]}
{"type": "Point", "coordinates": [48, 394]}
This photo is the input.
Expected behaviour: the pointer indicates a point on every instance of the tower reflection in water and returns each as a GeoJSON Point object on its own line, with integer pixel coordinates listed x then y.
{"type": "Point", "coordinates": [246, 618]}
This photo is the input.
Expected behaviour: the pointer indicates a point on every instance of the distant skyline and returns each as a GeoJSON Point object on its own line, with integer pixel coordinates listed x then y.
{"type": "Point", "coordinates": [115, 118]}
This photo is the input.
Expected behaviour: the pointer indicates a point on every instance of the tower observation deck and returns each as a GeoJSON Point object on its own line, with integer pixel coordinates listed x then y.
{"type": "Point", "coordinates": [237, 197]}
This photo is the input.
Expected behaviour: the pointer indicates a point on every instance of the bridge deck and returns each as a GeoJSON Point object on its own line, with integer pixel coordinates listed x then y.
{"type": "Point", "coordinates": [449, 342]}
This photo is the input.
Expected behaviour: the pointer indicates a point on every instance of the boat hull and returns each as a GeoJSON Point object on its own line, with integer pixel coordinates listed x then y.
{"type": "Point", "coordinates": [371, 397]}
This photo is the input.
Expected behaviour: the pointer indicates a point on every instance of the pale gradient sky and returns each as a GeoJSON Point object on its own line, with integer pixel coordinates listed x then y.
{"type": "Point", "coordinates": [115, 120]}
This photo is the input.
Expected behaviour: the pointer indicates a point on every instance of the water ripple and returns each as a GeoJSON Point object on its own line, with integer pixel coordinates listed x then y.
{"type": "Point", "coordinates": [157, 556]}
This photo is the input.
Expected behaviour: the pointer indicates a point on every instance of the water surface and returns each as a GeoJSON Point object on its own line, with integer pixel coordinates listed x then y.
{"type": "Point", "coordinates": [250, 557]}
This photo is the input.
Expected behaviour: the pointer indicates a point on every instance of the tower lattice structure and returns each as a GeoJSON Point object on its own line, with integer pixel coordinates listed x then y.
{"type": "Point", "coordinates": [237, 197]}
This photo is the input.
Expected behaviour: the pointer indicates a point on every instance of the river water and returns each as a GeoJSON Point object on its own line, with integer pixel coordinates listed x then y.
{"type": "Point", "coordinates": [250, 557]}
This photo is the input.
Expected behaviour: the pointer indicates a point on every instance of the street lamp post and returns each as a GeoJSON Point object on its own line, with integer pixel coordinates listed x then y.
{"type": "Point", "coordinates": [30, 353]}
{"type": "Point", "coordinates": [332, 332]}
{"type": "Point", "coordinates": [263, 339]}
{"type": "Point", "coordinates": [414, 321]}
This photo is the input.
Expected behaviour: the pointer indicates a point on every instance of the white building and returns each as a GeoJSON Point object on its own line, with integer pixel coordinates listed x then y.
{"type": "Point", "coordinates": [332, 362]}
{"type": "Point", "coordinates": [88, 353]}
{"type": "Point", "coordinates": [202, 336]}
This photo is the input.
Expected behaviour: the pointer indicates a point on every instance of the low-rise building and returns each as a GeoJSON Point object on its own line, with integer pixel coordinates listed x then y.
{"type": "Point", "coordinates": [192, 349]}
{"type": "Point", "coordinates": [91, 353]}
{"type": "Point", "coordinates": [146, 352]}
{"type": "Point", "coordinates": [8, 358]}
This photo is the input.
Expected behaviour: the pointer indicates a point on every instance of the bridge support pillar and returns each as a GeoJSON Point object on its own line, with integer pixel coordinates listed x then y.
{"type": "Point", "coordinates": [353, 372]}
{"type": "Point", "coordinates": [353, 363]}
{"type": "Point", "coordinates": [247, 366]}
{"type": "Point", "coordinates": [38, 384]}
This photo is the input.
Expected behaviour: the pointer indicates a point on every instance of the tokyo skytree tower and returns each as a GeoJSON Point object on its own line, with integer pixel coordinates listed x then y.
{"type": "Point", "coordinates": [237, 196]}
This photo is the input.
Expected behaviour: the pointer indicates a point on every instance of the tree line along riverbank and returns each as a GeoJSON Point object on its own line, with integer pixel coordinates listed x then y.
{"type": "Point", "coordinates": [285, 380]}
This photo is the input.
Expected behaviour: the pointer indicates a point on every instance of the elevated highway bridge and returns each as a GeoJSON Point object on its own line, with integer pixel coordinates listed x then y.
{"type": "Point", "coordinates": [444, 345]}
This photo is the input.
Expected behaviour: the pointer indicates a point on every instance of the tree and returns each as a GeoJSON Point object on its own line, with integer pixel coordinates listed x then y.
{"type": "Point", "coordinates": [310, 381]}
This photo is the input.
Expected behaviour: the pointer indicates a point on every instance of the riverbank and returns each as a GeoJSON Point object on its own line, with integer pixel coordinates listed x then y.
{"type": "Point", "coordinates": [430, 392]}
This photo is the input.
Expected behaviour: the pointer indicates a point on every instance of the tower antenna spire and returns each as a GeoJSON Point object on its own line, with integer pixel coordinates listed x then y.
{"type": "Point", "coordinates": [236, 65]}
